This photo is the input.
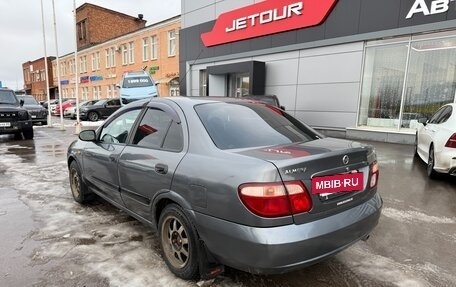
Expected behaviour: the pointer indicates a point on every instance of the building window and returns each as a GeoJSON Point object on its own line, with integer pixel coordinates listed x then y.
{"type": "Point", "coordinates": [113, 56]}
{"type": "Point", "coordinates": [83, 64]}
{"type": "Point", "coordinates": [395, 92]}
{"type": "Point", "coordinates": [124, 55]}
{"type": "Point", "coordinates": [96, 61]}
{"type": "Point", "coordinates": [96, 92]}
{"type": "Point", "coordinates": [82, 30]}
{"type": "Point", "coordinates": [171, 43]}
{"type": "Point", "coordinates": [108, 58]}
{"type": "Point", "coordinates": [72, 68]}
{"type": "Point", "coordinates": [145, 49]}
{"type": "Point", "coordinates": [153, 47]}
{"type": "Point", "coordinates": [85, 93]}
{"type": "Point", "coordinates": [131, 52]}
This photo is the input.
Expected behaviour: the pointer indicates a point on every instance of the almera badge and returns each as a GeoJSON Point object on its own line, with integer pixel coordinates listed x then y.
{"type": "Point", "coordinates": [266, 18]}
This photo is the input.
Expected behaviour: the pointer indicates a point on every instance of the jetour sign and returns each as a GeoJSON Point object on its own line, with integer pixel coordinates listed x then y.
{"type": "Point", "coordinates": [435, 7]}
{"type": "Point", "coordinates": [266, 18]}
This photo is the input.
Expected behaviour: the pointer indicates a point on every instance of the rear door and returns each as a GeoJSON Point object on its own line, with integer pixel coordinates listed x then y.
{"type": "Point", "coordinates": [110, 107]}
{"type": "Point", "coordinates": [148, 163]}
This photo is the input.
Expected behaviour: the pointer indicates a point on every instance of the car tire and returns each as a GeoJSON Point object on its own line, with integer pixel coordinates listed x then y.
{"type": "Point", "coordinates": [79, 189]}
{"type": "Point", "coordinates": [18, 136]}
{"type": "Point", "coordinates": [44, 123]}
{"type": "Point", "coordinates": [28, 133]}
{"type": "Point", "coordinates": [178, 241]}
{"type": "Point", "coordinates": [93, 116]}
{"type": "Point", "coordinates": [416, 145]}
{"type": "Point", "coordinates": [430, 165]}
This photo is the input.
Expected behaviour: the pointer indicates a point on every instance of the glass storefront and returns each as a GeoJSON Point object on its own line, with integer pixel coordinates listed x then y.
{"type": "Point", "coordinates": [407, 79]}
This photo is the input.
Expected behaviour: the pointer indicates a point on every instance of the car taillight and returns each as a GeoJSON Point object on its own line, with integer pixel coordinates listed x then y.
{"type": "Point", "coordinates": [374, 174]}
{"type": "Point", "coordinates": [275, 199]}
{"type": "Point", "coordinates": [451, 141]}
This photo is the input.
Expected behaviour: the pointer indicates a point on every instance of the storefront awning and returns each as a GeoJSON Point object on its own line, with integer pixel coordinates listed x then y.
{"type": "Point", "coordinates": [165, 81]}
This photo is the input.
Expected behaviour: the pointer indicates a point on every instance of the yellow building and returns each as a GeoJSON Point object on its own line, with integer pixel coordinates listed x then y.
{"type": "Point", "coordinates": [100, 67]}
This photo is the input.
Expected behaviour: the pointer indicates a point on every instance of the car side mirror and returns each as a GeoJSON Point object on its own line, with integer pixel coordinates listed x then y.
{"type": "Point", "coordinates": [423, 121]}
{"type": "Point", "coordinates": [118, 86]}
{"type": "Point", "coordinates": [282, 107]}
{"type": "Point", "coordinates": [21, 103]}
{"type": "Point", "coordinates": [88, 136]}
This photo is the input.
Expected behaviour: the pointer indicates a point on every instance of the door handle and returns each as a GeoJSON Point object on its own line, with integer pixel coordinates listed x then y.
{"type": "Point", "coordinates": [113, 158]}
{"type": "Point", "coordinates": [161, 168]}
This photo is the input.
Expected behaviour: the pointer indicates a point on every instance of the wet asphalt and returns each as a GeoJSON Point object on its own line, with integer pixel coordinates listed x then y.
{"type": "Point", "coordinates": [47, 239]}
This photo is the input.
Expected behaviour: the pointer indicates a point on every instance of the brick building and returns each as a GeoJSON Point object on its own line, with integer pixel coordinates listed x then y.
{"type": "Point", "coordinates": [35, 78]}
{"type": "Point", "coordinates": [102, 64]}
{"type": "Point", "coordinates": [96, 24]}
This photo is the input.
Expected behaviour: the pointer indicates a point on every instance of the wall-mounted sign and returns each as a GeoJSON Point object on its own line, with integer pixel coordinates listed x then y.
{"type": "Point", "coordinates": [435, 7]}
{"type": "Point", "coordinates": [266, 18]}
{"type": "Point", "coordinates": [85, 80]}
{"type": "Point", "coordinates": [153, 69]}
{"type": "Point", "coordinates": [111, 76]}
{"type": "Point", "coordinates": [65, 82]}
{"type": "Point", "coordinates": [96, 78]}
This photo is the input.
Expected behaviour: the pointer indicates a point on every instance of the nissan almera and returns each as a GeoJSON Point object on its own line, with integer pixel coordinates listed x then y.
{"type": "Point", "coordinates": [228, 182]}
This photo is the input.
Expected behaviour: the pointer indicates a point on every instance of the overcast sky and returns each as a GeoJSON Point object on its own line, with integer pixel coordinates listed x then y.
{"type": "Point", "coordinates": [21, 34]}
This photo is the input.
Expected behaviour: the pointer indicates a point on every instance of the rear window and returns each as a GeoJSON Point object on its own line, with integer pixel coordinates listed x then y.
{"type": "Point", "coordinates": [244, 125]}
{"type": "Point", "coordinates": [137, 82]}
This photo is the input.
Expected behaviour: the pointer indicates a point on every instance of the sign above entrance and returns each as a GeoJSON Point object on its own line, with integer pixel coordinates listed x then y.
{"type": "Point", "coordinates": [266, 18]}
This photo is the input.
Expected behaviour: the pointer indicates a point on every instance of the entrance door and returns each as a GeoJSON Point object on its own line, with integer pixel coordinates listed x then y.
{"type": "Point", "coordinates": [239, 85]}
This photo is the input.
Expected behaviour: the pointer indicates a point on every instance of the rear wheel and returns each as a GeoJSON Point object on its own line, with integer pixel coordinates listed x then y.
{"type": "Point", "coordinates": [178, 241]}
{"type": "Point", "coordinates": [431, 162]}
{"type": "Point", "coordinates": [93, 116]}
{"type": "Point", "coordinates": [28, 133]}
{"type": "Point", "coordinates": [79, 189]}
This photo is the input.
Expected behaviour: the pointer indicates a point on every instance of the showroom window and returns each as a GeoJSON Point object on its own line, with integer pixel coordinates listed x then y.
{"type": "Point", "coordinates": [407, 80]}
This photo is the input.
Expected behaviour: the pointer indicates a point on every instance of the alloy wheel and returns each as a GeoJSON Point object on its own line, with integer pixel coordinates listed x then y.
{"type": "Point", "coordinates": [175, 242]}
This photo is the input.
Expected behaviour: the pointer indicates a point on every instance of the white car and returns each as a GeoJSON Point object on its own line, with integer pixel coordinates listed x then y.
{"type": "Point", "coordinates": [436, 141]}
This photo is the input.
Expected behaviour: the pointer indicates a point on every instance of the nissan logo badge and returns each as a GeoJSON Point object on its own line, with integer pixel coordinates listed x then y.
{"type": "Point", "coordinates": [345, 159]}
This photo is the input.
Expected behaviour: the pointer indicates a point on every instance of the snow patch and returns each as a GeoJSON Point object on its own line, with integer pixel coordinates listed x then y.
{"type": "Point", "coordinates": [415, 216]}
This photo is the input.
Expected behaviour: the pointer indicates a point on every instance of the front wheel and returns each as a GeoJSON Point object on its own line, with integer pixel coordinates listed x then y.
{"type": "Point", "coordinates": [79, 189]}
{"type": "Point", "coordinates": [178, 241]}
{"type": "Point", "coordinates": [93, 116]}
{"type": "Point", "coordinates": [431, 163]}
{"type": "Point", "coordinates": [28, 133]}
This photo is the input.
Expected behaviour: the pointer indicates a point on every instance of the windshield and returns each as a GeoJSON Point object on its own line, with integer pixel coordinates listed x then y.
{"type": "Point", "coordinates": [7, 97]}
{"type": "Point", "coordinates": [28, 101]}
{"type": "Point", "coordinates": [137, 82]}
{"type": "Point", "coordinates": [243, 125]}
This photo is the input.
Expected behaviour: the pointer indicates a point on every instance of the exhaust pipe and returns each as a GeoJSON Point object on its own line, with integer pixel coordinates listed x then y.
{"type": "Point", "coordinates": [365, 238]}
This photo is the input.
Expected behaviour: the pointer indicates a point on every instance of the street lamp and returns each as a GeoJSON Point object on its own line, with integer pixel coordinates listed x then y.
{"type": "Point", "coordinates": [48, 98]}
{"type": "Point", "coordinates": [78, 123]}
{"type": "Point", "coordinates": [58, 66]}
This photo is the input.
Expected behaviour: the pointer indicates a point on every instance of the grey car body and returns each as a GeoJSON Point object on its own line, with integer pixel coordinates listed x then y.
{"type": "Point", "coordinates": [14, 118]}
{"type": "Point", "coordinates": [37, 112]}
{"type": "Point", "coordinates": [200, 173]}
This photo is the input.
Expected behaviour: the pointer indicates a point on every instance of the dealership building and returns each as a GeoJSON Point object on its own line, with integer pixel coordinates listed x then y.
{"type": "Point", "coordinates": [363, 69]}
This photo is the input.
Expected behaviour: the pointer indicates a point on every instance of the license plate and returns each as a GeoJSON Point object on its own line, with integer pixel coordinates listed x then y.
{"type": "Point", "coordinates": [349, 182]}
{"type": "Point", "coordinates": [7, 125]}
{"type": "Point", "coordinates": [33, 117]}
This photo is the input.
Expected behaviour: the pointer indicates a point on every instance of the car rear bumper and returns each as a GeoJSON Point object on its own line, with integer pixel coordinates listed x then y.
{"type": "Point", "coordinates": [445, 161]}
{"type": "Point", "coordinates": [286, 248]}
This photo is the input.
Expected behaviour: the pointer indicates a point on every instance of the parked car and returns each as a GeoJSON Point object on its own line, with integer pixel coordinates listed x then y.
{"type": "Point", "coordinates": [60, 108]}
{"type": "Point", "coordinates": [71, 111]}
{"type": "Point", "coordinates": [267, 99]}
{"type": "Point", "coordinates": [14, 118]}
{"type": "Point", "coordinates": [436, 141]}
{"type": "Point", "coordinates": [229, 182]}
{"type": "Point", "coordinates": [136, 86]}
{"type": "Point", "coordinates": [52, 104]}
{"type": "Point", "coordinates": [101, 109]}
{"type": "Point", "coordinates": [36, 111]}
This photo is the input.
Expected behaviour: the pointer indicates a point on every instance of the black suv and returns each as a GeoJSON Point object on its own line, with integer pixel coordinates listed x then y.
{"type": "Point", "coordinates": [14, 119]}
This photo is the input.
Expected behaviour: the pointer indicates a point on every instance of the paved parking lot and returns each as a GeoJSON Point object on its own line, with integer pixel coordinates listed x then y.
{"type": "Point", "coordinates": [49, 240]}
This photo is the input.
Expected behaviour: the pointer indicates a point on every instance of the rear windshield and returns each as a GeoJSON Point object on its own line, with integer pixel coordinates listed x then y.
{"type": "Point", "coordinates": [7, 97]}
{"type": "Point", "coordinates": [244, 125]}
{"type": "Point", "coordinates": [137, 82]}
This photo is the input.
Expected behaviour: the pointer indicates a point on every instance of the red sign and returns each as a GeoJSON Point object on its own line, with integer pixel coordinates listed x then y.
{"type": "Point", "coordinates": [338, 183]}
{"type": "Point", "coordinates": [266, 18]}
